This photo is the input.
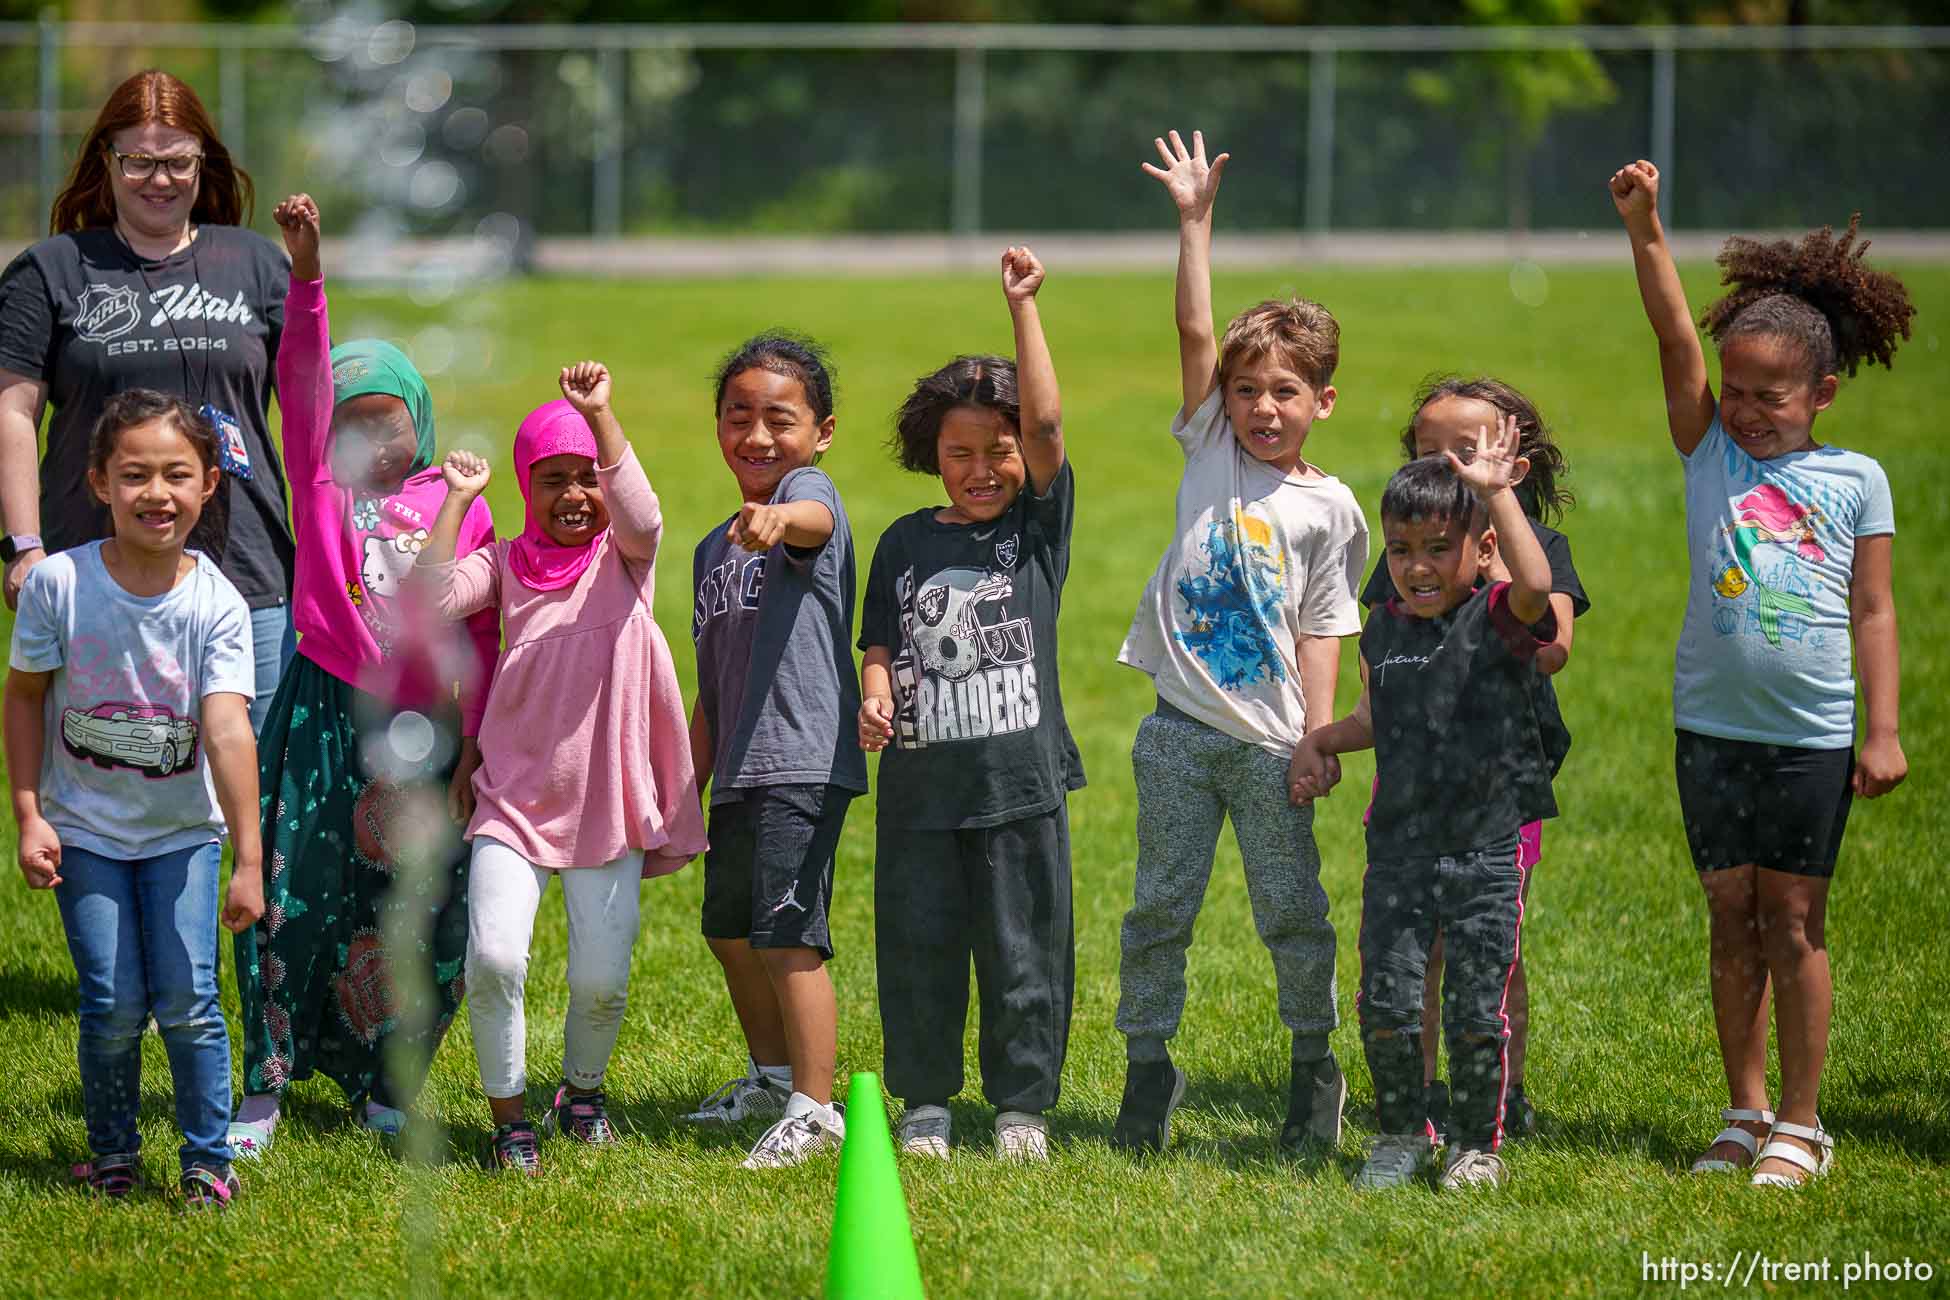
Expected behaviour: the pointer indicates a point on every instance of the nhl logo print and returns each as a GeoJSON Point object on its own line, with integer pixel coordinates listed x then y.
{"type": "Point", "coordinates": [1006, 550]}
{"type": "Point", "coordinates": [104, 312]}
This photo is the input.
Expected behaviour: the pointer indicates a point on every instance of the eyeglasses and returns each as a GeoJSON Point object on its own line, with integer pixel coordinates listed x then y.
{"type": "Point", "coordinates": [141, 166]}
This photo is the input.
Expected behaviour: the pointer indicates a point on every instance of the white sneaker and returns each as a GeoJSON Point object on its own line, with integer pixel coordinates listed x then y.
{"type": "Point", "coordinates": [925, 1131]}
{"type": "Point", "coordinates": [752, 1097]}
{"type": "Point", "coordinates": [797, 1138]}
{"type": "Point", "coordinates": [1395, 1161]}
{"type": "Point", "coordinates": [1469, 1167]}
{"type": "Point", "coordinates": [1020, 1135]}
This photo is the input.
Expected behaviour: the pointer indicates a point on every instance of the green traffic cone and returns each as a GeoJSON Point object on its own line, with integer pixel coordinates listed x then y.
{"type": "Point", "coordinates": [872, 1251]}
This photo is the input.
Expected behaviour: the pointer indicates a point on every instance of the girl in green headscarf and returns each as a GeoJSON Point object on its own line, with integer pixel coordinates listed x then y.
{"type": "Point", "coordinates": [368, 753]}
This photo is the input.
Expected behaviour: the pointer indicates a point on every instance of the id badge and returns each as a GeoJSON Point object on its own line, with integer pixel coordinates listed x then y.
{"type": "Point", "coordinates": [232, 454]}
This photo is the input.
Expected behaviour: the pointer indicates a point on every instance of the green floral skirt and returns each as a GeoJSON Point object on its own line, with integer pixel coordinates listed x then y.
{"type": "Point", "coordinates": [356, 969]}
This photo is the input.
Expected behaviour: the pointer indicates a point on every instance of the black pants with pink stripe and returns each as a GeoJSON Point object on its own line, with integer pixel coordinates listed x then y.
{"type": "Point", "coordinates": [1474, 899]}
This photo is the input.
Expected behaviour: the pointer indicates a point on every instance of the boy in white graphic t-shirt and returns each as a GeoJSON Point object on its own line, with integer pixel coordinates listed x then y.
{"type": "Point", "coordinates": [1240, 630]}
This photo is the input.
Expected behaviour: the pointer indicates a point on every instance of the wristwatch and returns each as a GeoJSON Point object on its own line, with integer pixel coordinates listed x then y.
{"type": "Point", "coordinates": [11, 547]}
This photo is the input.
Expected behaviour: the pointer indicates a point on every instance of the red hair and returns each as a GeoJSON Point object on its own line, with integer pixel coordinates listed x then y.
{"type": "Point", "coordinates": [226, 196]}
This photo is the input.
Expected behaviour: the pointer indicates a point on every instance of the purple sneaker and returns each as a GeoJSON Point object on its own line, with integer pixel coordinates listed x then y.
{"type": "Point", "coordinates": [111, 1177]}
{"type": "Point", "coordinates": [582, 1116]}
{"type": "Point", "coordinates": [208, 1189]}
{"type": "Point", "coordinates": [513, 1148]}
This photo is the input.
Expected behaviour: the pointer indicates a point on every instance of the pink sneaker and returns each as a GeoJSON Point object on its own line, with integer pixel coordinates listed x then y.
{"type": "Point", "coordinates": [581, 1116]}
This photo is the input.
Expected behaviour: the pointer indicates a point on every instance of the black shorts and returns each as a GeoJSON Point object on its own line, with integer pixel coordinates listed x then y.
{"type": "Point", "coordinates": [768, 875]}
{"type": "Point", "coordinates": [1781, 807]}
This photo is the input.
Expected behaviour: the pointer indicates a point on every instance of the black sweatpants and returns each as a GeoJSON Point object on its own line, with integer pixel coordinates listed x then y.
{"type": "Point", "coordinates": [1475, 899]}
{"type": "Point", "coordinates": [1000, 894]}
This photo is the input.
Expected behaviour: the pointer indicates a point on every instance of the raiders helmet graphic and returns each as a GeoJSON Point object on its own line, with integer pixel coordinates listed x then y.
{"type": "Point", "coordinates": [960, 624]}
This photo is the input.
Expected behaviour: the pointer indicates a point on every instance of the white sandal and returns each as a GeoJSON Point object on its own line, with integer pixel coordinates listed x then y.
{"type": "Point", "coordinates": [1740, 1137]}
{"type": "Point", "coordinates": [1812, 1166]}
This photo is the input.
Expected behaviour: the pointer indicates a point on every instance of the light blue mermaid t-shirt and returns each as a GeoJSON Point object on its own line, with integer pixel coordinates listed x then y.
{"type": "Point", "coordinates": [1258, 560]}
{"type": "Point", "coordinates": [1764, 652]}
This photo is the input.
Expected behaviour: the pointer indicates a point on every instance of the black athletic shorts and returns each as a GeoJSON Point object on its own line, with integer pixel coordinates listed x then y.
{"type": "Point", "coordinates": [1775, 806]}
{"type": "Point", "coordinates": [768, 875]}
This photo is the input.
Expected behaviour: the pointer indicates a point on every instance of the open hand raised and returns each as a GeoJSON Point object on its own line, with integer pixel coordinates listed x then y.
{"type": "Point", "coordinates": [297, 219]}
{"type": "Point", "coordinates": [1187, 177]}
{"type": "Point", "coordinates": [1495, 464]}
{"type": "Point", "coordinates": [586, 385]}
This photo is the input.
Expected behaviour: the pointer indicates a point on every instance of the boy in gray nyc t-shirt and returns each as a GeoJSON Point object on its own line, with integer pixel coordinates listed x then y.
{"type": "Point", "coordinates": [124, 705]}
{"type": "Point", "coordinates": [772, 632]}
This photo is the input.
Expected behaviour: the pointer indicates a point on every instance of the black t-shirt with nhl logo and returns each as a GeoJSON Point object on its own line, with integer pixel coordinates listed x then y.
{"type": "Point", "coordinates": [970, 611]}
{"type": "Point", "coordinates": [83, 314]}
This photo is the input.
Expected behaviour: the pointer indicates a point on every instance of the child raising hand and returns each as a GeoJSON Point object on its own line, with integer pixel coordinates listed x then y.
{"type": "Point", "coordinates": [610, 797]}
{"type": "Point", "coordinates": [1790, 544]}
{"type": "Point", "coordinates": [1448, 702]}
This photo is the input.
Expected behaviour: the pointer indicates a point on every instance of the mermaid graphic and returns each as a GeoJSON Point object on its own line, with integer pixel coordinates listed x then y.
{"type": "Point", "coordinates": [1230, 607]}
{"type": "Point", "coordinates": [1764, 517]}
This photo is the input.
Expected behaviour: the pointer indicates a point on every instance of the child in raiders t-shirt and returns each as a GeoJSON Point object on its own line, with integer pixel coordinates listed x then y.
{"type": "Point", "coordinates": [959, 688]}
{"type": "Point", "coordinates": [1463, 758]}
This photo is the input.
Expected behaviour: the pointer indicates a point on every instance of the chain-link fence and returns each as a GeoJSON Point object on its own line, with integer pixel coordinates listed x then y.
{"type": "Point", "coordinates": [520, 132]}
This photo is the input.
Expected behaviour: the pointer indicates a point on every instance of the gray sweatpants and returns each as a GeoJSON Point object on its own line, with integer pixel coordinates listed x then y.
{"type": "Point", "coordinates": [1189, 778]}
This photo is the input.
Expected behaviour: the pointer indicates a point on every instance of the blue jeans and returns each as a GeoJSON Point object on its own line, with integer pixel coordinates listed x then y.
{"type": "Point", "coordinates": [143, 935]}
{"type": "Point", "coordinates": [275, 640]}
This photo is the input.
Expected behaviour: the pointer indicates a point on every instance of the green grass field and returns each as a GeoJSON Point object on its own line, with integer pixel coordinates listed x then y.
{"type": "Point", "coordinates": [1622, 1064]}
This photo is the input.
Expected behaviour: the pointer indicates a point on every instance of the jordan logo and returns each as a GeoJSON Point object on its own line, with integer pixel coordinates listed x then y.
{"type": "Point", "coordinates": [791, 899]}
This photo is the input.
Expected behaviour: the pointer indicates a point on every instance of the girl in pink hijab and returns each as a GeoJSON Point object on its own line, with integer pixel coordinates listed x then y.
{"type": "Point", "coordinates": [585, 756]}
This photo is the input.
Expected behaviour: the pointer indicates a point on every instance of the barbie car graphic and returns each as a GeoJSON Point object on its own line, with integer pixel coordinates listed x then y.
{"type": "Point", "coordinates": [155, 742]}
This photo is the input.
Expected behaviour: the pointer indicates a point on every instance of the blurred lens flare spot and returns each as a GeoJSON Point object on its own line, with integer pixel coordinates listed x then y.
{"type": "Point", "coordinates": [436, 184]}
{"type": "Point", "coordinates": [390, 42]}
{"type": "Point", "coordinates": [464, 128]}
{"type": "Point", "coordinates": [1529, 284]}
{"type": "Point", "coordinates": [428, 90]}
{"type": "Point", "coordinates": [411, 736]}
{"type": "Point", "coordinates": [403, 145]}
{"type": "Point", "coordinates": [433, 349]}
{"type": "Point", "coordinates": [507, 143]}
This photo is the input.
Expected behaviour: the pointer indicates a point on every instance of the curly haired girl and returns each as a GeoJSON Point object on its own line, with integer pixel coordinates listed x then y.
{"type": "Point", "coordinates": [1790, 543]}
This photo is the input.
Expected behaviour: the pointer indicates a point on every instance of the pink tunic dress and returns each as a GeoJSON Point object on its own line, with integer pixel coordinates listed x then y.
{"type": "Point", "coordinates": [585, 746]}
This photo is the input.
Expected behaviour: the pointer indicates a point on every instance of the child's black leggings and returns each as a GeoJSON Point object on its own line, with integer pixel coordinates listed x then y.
{"type": "Point", "coordinates": [1474, 898]}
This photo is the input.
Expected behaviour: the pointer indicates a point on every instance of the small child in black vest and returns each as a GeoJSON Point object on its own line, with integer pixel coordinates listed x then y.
{"type": "Point", "coordinates": [1463, 758]}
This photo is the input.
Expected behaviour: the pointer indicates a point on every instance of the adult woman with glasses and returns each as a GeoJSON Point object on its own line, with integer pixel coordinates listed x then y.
{"type": "Point", "coordinates": [148, 281]}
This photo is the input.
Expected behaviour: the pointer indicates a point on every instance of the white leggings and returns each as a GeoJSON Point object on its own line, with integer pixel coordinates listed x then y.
{"type": "Point", "coordinates": [504, 890]}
